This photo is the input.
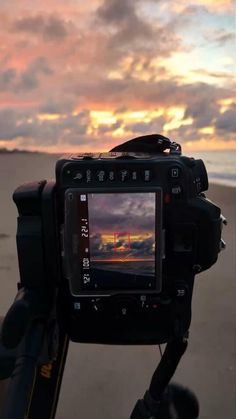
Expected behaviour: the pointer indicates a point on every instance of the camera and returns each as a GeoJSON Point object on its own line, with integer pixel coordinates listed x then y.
{"type": "Point", "coordinates": [121, 236]}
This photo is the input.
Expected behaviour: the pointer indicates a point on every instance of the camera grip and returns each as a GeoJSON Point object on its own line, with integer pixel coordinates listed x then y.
{"type": "Point", "coordinates": [28, 305]}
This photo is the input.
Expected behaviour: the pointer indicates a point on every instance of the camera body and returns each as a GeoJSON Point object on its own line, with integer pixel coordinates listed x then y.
{"type": "Point", "coordinates": [116, 242]}
{"type": "Point", "coordinates": [135, 228]}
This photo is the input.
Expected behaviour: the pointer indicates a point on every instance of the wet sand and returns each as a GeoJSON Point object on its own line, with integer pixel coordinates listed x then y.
{"type": "Point", "coordinates": [104, 382]}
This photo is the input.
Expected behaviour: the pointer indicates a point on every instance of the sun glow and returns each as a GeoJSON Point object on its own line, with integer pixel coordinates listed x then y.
{"type": "Point", "coordinates": [102, 118]}
{"type": "Point", "coordinates": [207, 130]}
{"type": "Point", "coordinates": [48, 116]}
{"type": "Point", "coordinates": [110, 118]}
{"type": "Point", "coordinates": [225, 104]}
{"type": "Point", "coordinates": [175, 116]}
{"type": "Point", "coordinates": [109, 238]}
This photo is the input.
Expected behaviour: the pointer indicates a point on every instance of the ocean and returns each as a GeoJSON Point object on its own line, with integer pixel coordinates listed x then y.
{"type": "Point", "coordinates": [220, 165]}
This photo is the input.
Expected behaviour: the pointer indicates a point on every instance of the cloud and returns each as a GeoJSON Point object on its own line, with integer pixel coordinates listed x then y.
{"type": "Point", "coordinates": [131, 32]}
{"type": "Point", "coordinates": [202, 110]}
{"type": "Point", "coordinates": [51, 28]}
{"type": "Point", "coordinates": [155, 125]}
{"type": "Point", "coordinates": [124, 221]}
{"type": "Point", "coordinates": [200, 103]}
{"type": "Point", "coordinates": [19, 124]}
{"type": "Point", "coordinates": [7, 77]}
{"type": "Point", "coordinates": [144, 247]}
{"type": "Point", "coordinates": [139, 213]}
{"type": "Point", "coordinates": [58, 104]}
{"type": "Point", "coordinates": [137, 94]}
{"type": "Point", "coordinates": [104, 128]}
{"type": "Point", "coordinates": [122, 15]}
{"type": "Point", "coordinates": [29, 79]}
{"type": "Point", "coordinates": [220, 37]}
{"type": "Point", "coordinates": [15, 81]}
{"type": "Point", "coordinates": [116, 56]}
{"type": "Point", "coordinates": [117, 11]}
{"type": "Point", "coordinates": [226, 122]}
{"type": "Point", "coordinates": [227, 76]}
{"type": "Point", "coordinates": [10, 127]}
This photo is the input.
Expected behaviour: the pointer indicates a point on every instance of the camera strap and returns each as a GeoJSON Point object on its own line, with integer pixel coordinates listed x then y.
{"type": "Point", "coordinates": [153, 143]}
{"type": "Point", "coordinates": [47, 383]}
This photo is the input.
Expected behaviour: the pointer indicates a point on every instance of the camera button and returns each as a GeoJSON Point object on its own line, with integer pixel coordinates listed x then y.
{"type": "Point", "coordinates": [147, 175]}
{"type": "Point", "coordinates": [123, 306]}
{"type": "Point", "coordinates": [124, 175]}
{"type": "Point", "coordinates": [134, 175]}
{"type": "Point", "coordinates": [176, 191]}
{"type": "Point", "coordinates": [181, 291]}
{"type": "Point", "coordinates": [81, 305]}
{"type": "Point", "coordinates": [111, 175]}
{"type": "Point", "coordinates": [97, 306]}
{"type": "Point", "coordinates": [154, 303]}
{"type": "Point", "coordinates": [175, 172]}
{"type": "Point", "coordinates": [101, 175]}
{"type": "Point", "coordinates": [78, 176]}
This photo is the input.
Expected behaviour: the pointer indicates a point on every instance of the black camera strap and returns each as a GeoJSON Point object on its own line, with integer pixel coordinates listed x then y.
{"type": "Point", "coordinates": [47, 383]}
{"type": "Point", "coordinates": [153, 143]}
{"type": "Point", "coordinates": [34, 385]}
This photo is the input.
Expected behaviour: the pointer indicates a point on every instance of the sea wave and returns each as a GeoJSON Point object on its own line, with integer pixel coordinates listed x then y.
{"type": "Point", "coordinates": [227, 179]}
{"type": "Point", "coordinates": [220, 165]}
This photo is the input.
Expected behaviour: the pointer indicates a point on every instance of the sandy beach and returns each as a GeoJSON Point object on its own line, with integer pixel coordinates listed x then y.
{"type": "Point", "coordinates": [104, 382]}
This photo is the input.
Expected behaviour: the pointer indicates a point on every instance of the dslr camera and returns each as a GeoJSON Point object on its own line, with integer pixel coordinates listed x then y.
{"type": "Point", "coordinates": [121, 236]}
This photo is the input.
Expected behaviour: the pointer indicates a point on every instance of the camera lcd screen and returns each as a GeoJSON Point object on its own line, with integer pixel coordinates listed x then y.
{"type": "Point", "coordinates": [118, 241]}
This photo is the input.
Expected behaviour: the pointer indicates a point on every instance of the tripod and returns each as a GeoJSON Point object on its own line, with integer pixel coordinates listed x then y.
{"type": "Point", "coordinates": [36, 357]}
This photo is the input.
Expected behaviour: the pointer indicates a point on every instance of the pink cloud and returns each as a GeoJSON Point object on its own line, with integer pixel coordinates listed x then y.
{"type": "Point", "coordinates": [71, 58]}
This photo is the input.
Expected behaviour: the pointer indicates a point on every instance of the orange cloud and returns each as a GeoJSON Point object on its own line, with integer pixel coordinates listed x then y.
{"type": "Point", "coordinates": [76, 74]}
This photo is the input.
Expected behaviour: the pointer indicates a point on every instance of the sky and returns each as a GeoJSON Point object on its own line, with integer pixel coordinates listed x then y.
{"type": "Point", "coordinates": [81, 75]}
{"type": "Point", "coordinates": [122, 226]}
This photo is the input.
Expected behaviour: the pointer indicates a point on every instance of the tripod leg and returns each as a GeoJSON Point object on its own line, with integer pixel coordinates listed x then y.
{"type": "Point", "coordinates": [154, 404]}
{"type": "Point", "coordinates": [167, 367]}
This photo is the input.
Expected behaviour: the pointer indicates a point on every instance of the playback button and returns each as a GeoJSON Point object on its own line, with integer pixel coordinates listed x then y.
{"type": "Point", "coordinates": [174, 172]}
